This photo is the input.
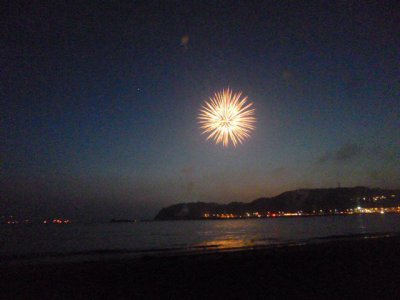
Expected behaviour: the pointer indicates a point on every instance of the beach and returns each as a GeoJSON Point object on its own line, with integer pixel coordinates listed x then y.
{"type": "Point", "coordinates": [343, 269]}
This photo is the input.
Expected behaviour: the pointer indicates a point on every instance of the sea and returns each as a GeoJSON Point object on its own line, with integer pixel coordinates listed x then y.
{"type": "Point", "coordinates": [38, 243]}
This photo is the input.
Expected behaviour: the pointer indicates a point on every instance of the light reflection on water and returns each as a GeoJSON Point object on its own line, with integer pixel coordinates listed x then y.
{"type": "Point", "coordinates": [184, 235]}
{"type": "Point", "coordinates": [226, 244]}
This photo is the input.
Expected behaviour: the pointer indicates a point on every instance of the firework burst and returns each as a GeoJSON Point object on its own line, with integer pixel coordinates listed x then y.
{"type": "Point", "coordinates": [227, 118]}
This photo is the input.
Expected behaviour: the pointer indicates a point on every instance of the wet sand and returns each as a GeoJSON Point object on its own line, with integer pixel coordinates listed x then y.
{"type": "Point", "coordinates": [349, 269]}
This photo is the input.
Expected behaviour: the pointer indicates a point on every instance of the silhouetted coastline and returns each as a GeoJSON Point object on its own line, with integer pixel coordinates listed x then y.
{"type": "Point", "coordinates": [297, 203]}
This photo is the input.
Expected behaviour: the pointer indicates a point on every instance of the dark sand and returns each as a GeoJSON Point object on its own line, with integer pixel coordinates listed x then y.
{"type": "Point", "coordinates": [352, 269]}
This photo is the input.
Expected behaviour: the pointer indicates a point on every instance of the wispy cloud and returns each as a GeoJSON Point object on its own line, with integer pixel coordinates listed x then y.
{"type": "Point", "coordinates": [348, 152]}
{"type": "Point", "coordinates": [345, 153]}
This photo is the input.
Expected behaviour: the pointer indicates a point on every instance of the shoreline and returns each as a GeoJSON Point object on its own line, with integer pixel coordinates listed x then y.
{"type": "Point", "coordinates": [331, 269]}
{"type": "Point", "coordinates": [199, 249]}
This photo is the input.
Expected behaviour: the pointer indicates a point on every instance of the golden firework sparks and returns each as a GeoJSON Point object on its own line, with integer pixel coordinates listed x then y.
{"type": "Point", "coordinates": [227, 118]}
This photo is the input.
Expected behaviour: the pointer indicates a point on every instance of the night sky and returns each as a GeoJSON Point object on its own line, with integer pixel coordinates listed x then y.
{"type": "Point", "coordinates": [99, 102]}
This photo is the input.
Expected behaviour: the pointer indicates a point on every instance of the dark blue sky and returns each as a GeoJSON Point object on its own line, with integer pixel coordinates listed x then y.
{"type": "Point", "coordinates": [99, 102]}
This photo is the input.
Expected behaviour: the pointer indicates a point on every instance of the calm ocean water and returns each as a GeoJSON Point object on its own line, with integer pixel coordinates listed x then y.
{"type": "Point", "coordinates": [94, 241]}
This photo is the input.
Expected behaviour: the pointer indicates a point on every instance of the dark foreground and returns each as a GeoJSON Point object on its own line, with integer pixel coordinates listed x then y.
{"type": "Point", "coordinates": [356, 269]}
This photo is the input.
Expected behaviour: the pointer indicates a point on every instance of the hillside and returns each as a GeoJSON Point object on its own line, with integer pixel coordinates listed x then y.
{"type": "Point", "coordinates": [305, 200]}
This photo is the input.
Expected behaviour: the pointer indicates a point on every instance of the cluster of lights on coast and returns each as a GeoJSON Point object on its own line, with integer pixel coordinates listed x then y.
{"type": "Point", "coordinates": [57, 221]}
{"type": "Point", "coordinates": [300, 213]}
{"type": "Point", "coordinates": [321, 212]}
{"type": "Point", "coordinates": [12, 221]}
